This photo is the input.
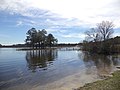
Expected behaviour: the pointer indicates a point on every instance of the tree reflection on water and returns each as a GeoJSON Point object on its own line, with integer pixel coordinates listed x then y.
{"type": "Point", "coordinates": [101, 63]}
{"type": "Point", "coordinates": [40, 59]}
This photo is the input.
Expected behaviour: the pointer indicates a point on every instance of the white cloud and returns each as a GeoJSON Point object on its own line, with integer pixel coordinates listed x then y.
{"type": "Point", "coordinates": [25, 22]}
{"type": "Point", "coordinates": [89, 11]}
{"type": "Point", "coordinates": [74, 35]}
{"type": "Point", "coordinates": [86, 12]}
{"type": "Point", "coordinates": [57, 31]}
{"type": "Point", "coordinates": [19, 23]}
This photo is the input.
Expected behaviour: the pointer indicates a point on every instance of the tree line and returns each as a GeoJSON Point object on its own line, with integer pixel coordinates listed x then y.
{"type": "Point", "coordinates": [99, 39]}
{"type": "Point", "coordinates": [40, 39]}
{"type": "Point", "coordinates": [0, 45]}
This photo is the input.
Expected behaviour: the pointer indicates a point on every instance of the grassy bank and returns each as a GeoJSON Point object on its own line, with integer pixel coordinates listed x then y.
{"type": "Point", "coordinates": [111, 83]}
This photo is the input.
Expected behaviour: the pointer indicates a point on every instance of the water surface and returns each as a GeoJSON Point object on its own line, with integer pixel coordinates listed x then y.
{"type": "Point", "coordinates": [56, 69]}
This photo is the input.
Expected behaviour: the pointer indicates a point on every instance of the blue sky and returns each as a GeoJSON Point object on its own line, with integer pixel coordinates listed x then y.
{"type": "Point", "coordinates": [67, 20]}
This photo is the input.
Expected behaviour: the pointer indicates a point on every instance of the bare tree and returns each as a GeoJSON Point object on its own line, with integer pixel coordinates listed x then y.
{"type": "Point", "coordinates": [102, 32]}
{"type": "Point", "coordinates": [92, 35]}
{"type": "Point", "coordinates": [105, 29]}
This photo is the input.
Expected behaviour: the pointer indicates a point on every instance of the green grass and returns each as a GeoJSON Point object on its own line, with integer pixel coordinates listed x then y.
{"type": "Point", "coordinates": [111, 83]}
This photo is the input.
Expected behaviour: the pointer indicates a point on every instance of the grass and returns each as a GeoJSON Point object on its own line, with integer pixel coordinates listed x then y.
{"type": "Point", "coordinates": [110, 83]}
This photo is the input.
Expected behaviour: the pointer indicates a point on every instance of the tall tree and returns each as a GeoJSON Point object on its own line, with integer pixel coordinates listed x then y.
{"type": "Point", "coordinates": [41, 37]}
{"type": "Point", "coordinates": [31, 37]}
{"type": "Point", "coordinates": [99, 37]}
{"type": "Point", "coordinates": [92, 35]}
{"type": "Point", "coordinates": [106, 29]}
{"type": "Point", "coordinates": [51, 40]}
{"type": "Point", "coordinates": [102, 32]}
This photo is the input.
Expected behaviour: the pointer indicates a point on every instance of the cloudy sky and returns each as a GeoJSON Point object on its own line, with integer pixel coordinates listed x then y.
{"type": "Point", "coordinates": [67, 20]}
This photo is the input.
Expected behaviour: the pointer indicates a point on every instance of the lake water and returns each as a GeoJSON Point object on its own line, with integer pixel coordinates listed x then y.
{"type": "Point", "coordinates": [58, 69]}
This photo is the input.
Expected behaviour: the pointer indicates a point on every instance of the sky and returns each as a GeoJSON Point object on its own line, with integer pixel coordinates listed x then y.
{"type": "Point", "coordinates": [67, 20]}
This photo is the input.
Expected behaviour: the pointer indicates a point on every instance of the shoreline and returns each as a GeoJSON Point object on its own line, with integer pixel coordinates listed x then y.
{"type": "Point", "coordinates": [48, 48]}
{"type": "Point", "coordinates": [110, 82]}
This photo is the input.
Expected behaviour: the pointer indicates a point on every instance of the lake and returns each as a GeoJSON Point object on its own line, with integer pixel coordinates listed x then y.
{"type": "Point", "coordinates": [55, 69]}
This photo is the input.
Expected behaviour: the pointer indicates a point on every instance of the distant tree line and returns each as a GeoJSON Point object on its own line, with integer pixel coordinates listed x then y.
{"type": "Point", "coordinates": [39, 38]}
{"type": "Point", "coordinates": [0, 45]}
{"type": "Point", "coordinates": [99, 39]}
{"type": "Point", "coordinates": [67, 45]}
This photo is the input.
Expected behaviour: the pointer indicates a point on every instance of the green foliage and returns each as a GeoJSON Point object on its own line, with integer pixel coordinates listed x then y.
{"type": "Point", "coordinates": [38, 38]}
{"type": "Point", "coordinates": [51, 40]}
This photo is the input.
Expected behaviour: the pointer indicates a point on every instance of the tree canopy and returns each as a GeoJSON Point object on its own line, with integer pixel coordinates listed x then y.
{"type": "Point", "coordinates": [39, 38]}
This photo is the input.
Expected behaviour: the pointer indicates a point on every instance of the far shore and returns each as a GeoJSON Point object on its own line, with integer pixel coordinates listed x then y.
{"type": "Point", "coordinates": [25, 48]}
{"type": "Point", "coordinates": [49, 48]}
